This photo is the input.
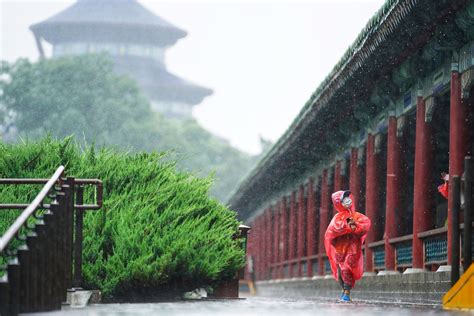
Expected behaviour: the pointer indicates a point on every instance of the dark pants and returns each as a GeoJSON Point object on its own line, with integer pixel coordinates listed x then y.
{"type": "Point", "coordinates": [344, 286]}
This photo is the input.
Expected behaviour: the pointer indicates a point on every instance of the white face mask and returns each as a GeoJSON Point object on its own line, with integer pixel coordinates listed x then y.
{"type": "Point", "coordinates": [347, 202]}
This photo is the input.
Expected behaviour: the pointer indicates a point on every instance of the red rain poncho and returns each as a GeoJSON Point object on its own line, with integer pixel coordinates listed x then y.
{"type": "Point", "coordinates": [443, 189]}
{"type": "Point", "coordinates": [344, 246]}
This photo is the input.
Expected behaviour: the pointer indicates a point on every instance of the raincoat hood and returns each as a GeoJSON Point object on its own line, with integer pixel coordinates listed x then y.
{"type": "Point", "coordinates": [337, 202]}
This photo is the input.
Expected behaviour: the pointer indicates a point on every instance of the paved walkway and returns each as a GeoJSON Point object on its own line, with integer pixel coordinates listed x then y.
{"type": "Point", "coordinates": [256, 307]}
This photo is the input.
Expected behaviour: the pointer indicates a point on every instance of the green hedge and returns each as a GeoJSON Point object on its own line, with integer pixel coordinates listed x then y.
{"type": "Point", "coordinates": [158, 228]}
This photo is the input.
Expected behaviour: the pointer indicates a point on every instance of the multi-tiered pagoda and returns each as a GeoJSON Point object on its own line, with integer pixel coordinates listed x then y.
{"type": "Point", "coordinates": [135, 38]}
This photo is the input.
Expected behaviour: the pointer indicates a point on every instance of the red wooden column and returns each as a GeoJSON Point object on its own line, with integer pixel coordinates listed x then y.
{"type": "Point", "coordinates": [276, 237]}
{"type": "Point", "coordinates": [268, 237]}
{"type": "Point", "coordinates": [354, 178]}
{"type": "Point", "coordinates": [323, 219]}
{"type": "Point", "coordinates": [292, 234]}
{"type": "Point", "coordinates": [258, 247]}
{"type": "Point", "coordinates": [254, 235]}
{"type": "Point", "coordinates": [423, 190]}
{"type": "Point", "coordinates": [283, 236]}
{"type": "Point", "coordinates": [311, 228]}
{"type": "Point", "coordinates": [301, 229]}
{"type": "Point", "coordinates": [249, 253]}
{"type": "Point", "coordinates": [372, 185]}
{"type": "Point", "coordinates": [262, 246]}
{"type": "Point", "coordinates": [457, 141]}
{"type": "Point", "coordinates": [392, 218]}
{"type": "Point", "coordinates": [253, 250]}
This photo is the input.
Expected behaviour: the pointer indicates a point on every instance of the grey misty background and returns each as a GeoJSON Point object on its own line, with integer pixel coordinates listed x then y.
{"type": "Point", "coordinates": [137, 41]}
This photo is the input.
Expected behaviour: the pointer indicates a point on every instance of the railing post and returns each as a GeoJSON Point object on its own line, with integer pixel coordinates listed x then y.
{"type": "Point", "coordinates": [69, 211]}
{"type": "Point", "coordinates": [14, 285]}
{"type": "Point", "coordinates": [77, 280]}
{"type": "Point", "coordinates": [41, 262]}
{"type": "Point", "coordinates": [62, 240]}
{"type": "Point", "coordinates": [23, 257]}
{"type": "Point", "coordinates": [52, 254]}
{"type": "Point", "coordinates": [467, 246]}
{"type": "Point", "coordinates": [456, 196]}
{"type": "Point", "coordinates": [4, 295]}
{"type": "Point", "coordinates": [32, 242]}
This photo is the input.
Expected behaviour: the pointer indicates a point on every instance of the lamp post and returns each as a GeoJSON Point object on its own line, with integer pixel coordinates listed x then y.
{"type": "Point", "coordinates": [230, 289]}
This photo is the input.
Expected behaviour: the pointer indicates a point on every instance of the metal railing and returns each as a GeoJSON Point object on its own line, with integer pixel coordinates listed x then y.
{"type": "Point", "coordinates": [378, 254]}
{"type": "Point", "coordinates": [435, 245]}
{"type": "Point", "coordinates": [403, 251]}
{"type": "Point", "coordinates": [38, 246]}
{"type": "Point", "coordinates": [327, 266]}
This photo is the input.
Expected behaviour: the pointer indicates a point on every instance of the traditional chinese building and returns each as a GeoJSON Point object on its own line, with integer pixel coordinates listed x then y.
{"type": "Point", "coordinates": [394, 113]}
{"type": "Point", "coordinates": [135, 38]}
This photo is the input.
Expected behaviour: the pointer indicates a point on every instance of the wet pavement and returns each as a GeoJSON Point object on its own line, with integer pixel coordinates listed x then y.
{"type": "Point", "coordinates": [255, 306]}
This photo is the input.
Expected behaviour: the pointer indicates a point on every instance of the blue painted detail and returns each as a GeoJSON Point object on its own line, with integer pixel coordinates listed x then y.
{"type": "Point", "coordinates": [286, 271]}
{"type": "Point", "coordinates": [362, 136]}
{"type": "Point", "coordinates": [315, 267]}
{"type": "Point", "coordinates": [436, 249]}
{"type": "Point", "coordinates": [304, 268]}
{"type": "Point", "coordinates": [404, 253]}
{"type": "Point", "coordinates": [382, 126]}
{"type": "Point", "coordinates": [379, 258]}
{"type": "Point", "coordinates": [327, 266]}
{"type": "Point", "coordinates": [407, 100]}
{"type": "Point", "coordinates": [437, 89]}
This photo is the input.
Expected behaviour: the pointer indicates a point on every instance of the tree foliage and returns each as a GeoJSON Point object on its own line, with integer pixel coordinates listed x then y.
{"type": "Point", "coordinates": [158, 229]}
{"type": "Point", "coordinates": [84, 97]}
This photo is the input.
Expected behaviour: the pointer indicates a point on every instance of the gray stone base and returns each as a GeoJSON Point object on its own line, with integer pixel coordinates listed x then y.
{"type": "Point", "coordinates": [79, 298]}
{"type": "Point", "coordinates": [425, 288]}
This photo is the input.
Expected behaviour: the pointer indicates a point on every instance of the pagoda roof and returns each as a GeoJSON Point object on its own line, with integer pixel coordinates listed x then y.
{"type": "Point", "coordinates": [116, 20]}
{"type": "Point", "coordinates": [158, 83]}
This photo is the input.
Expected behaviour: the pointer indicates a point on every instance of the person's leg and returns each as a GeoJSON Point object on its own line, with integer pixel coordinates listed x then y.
{"type": "Point", "coordinates": [348, 280]}
{"type": "Point", "coordinates": [339, 273]}
{"type": "Point", "coordinates": [341, 282]}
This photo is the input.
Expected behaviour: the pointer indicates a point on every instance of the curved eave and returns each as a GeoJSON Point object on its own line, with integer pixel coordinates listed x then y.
{"type": "Point", "coordinates": [57, 32]}
{"type": "Point", "coordinates": [362, 65]}
{"type": "Point", "coordinates": [191, 95]}
{"type": "Point", "coordinates": [108, 18]}
{"type": "Point", "coordinates": [158, 83]}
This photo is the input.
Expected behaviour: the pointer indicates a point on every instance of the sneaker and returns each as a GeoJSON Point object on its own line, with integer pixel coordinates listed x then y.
{"type": "Point", "coordinates": [345, 298]}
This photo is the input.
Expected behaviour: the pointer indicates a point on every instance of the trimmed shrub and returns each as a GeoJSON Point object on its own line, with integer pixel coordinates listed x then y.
{"type": "Point", "coordinates": [158, 229]}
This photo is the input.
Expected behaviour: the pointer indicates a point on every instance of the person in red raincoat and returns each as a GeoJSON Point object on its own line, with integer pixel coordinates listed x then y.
{"type": "Point", "coordinates": [343, 241]}
{"type": "Point", "coordinates": [443, 188]}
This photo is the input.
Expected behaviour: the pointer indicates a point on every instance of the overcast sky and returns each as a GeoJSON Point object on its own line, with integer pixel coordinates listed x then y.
{"type": "Point", "coordinates": [262, 58]}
